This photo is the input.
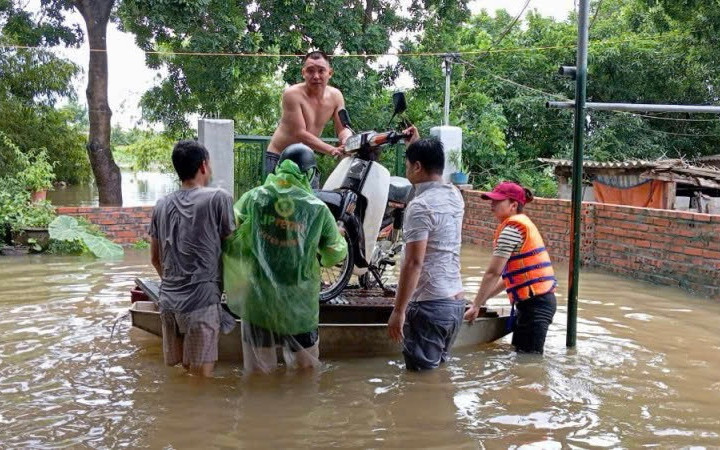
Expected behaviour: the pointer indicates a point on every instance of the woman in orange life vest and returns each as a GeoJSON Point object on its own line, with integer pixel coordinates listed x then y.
{"type": "Point", "coordinates": [521, 266]}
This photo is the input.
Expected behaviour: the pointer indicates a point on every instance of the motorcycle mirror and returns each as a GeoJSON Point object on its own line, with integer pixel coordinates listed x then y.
{"type": "Point", "coordinates": [399, 103]}
{"type": "Point", "coordinates": [344, 117]}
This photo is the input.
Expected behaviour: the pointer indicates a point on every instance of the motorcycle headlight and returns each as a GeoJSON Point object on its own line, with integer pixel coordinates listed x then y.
{"type": "Point", "coordinates": [353, 142]}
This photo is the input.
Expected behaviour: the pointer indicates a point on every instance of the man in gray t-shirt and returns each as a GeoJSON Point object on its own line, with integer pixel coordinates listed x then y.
{"type": "Point", "coordinates": [429, 305]}
{"type": "Point", "coordinates": [187, 230]}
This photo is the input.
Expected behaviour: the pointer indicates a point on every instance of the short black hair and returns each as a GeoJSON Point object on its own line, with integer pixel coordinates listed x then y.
{"type": "Point", "coordinates": [316, 54]}
{"type": "Point", "coordinates": [429, 152]}
{"type": "Point", "coordinates": [187, 157]}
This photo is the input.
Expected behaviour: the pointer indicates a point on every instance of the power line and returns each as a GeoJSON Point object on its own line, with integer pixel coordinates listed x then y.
{"type": "Point", "coordinates": [676, 119]}
{"type": "Point", "coordinates": [597, 12]}
{"type": "Point", "coordinates": [621, 112]}
{"type": "Point", "coordinates": [657, 39]}
{"type": "Point", "coordinates": [510, 27]}
{"type": "Point", "coordinates": [520, 85]}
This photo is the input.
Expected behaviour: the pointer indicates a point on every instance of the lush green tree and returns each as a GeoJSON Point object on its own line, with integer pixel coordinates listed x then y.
{"type": "Point", "coordinates": [246, 88]}
{"type": "Point", "coordinates": [32, 81]}
{"type": "Point", "coordinates": [638, 54]}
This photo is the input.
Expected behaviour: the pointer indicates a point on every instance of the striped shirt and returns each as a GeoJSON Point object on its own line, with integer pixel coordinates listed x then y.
{"type": "Point", "coordinates": [510, 241]}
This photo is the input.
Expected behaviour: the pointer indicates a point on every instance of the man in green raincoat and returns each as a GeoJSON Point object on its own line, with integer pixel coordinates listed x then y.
{"type": "Point", "coordinates": [272, 264]}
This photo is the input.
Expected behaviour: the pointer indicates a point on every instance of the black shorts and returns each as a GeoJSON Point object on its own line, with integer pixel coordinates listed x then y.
{"type": "Point", "coordinates": [534, 316]}
{"type": "Point", "coordinates": [263, 338]}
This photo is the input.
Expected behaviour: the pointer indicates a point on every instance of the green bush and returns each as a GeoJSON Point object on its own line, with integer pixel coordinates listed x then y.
{"type": "Point", "coordinates": [34, 215]}
{"type": "Point", "coordinates": [42, 127]}
{"type": "Point", "coordinates": [150, 152]}
{"type": "Point", "coordinates": [141, 245]}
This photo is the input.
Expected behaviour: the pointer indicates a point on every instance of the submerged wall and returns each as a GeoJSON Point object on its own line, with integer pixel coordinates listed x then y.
{"type": "Point", "coordinates": [122, 225]}
{"type": "Point", "coordinates": [666, 247]}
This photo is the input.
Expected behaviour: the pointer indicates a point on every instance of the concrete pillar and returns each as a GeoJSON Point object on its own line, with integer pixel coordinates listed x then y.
{"type": "Point", "coordinates": [451, 137]}
{"type": "Point", "coordinates": [218, 136]}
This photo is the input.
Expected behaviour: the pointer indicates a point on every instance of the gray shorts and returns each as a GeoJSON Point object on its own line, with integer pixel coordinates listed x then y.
{"type": "Point", "coordinates": [191, 338]}
{"type": "Point", "coordinates": [430, 329]}
{"type": "Point", "coordinates": [271, 161]}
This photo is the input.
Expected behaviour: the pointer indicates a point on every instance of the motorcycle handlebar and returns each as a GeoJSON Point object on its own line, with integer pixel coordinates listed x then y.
{"type": "Point", "coordinates": [380, 139]}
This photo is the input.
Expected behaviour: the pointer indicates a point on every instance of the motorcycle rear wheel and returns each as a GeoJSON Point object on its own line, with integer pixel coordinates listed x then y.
{"type": "Point", "coordinates": [334, 279]}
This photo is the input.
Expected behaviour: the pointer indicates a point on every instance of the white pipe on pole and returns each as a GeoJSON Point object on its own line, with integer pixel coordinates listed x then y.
{"type": "Point", "coordinates": [633, 107]}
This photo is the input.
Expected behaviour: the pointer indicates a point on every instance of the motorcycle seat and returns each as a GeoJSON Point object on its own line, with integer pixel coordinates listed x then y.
{"type": "Point", "coordinates": [401, 190]}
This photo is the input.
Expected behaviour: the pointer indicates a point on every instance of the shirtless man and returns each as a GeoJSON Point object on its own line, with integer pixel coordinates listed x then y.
{"type": "Point", "coordinates": [307, 107]}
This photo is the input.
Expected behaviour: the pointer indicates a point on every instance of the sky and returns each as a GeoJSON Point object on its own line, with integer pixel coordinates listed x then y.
{"type": "Point", "coordinates": [129, 78]}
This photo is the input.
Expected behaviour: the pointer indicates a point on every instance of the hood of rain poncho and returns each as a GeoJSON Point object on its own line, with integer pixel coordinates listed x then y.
{"type": "Point", "coordinates": [271, 264]}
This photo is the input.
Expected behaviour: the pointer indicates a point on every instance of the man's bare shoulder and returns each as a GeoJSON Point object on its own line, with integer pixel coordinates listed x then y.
{"type": "Point", "coordinates": [335, 93]}
{"type": "Point", "coordinates": [294, 91]}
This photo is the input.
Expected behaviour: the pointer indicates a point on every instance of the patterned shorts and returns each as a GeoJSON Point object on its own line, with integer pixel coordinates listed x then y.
{"type": "Point", "coordinates": [191, 338]}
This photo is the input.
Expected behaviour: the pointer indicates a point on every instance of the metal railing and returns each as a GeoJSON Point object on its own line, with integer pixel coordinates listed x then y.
{"type": "Point", "coordinates": [250, 161]}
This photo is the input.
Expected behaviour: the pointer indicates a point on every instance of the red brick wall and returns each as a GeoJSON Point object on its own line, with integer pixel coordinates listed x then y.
{"type": "Point", "coordinates": [665, 247]}
{"type": "Point", "coordinates": [122, 225]}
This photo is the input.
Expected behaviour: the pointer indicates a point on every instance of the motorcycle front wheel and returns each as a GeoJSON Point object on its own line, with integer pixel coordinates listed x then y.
{"type": "Point", "coordinates": [335, 278]}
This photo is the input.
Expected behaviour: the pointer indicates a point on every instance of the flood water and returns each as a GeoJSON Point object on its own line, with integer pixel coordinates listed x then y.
{"type": "Point", "coordinates": [138, 189]}
{"type": "Point", "coordinates": [645, 373]}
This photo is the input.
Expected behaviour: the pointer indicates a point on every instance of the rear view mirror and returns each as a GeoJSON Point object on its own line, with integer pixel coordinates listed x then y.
{"type": "Point", "coordinates": [344, 117]}
{"type": "Point", "coordinates": [399, 103]}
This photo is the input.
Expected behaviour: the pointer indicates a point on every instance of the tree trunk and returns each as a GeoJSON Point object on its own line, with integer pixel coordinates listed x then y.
{"type": "Point", "coordinates": [96, 14]}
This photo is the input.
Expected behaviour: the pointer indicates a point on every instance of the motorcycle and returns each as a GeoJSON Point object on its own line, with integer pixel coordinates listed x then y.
{"type": "Point", "coordinates": [369, 204]}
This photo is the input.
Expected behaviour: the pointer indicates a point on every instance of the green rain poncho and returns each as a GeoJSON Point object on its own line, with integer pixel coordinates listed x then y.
{"type": "Point", "coordinates": [270, 264]}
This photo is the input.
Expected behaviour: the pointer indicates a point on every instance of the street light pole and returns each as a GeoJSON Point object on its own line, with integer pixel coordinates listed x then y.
{"type": "Point", "coordinates": [577, 169]}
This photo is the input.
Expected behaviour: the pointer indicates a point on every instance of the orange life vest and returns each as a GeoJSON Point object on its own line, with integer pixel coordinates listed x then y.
{"type": "Point", "coordinates": [529, 272]}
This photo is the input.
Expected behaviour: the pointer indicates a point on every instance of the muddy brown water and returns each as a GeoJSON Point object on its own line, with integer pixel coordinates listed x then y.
{"type": "Point", "coordinates": [646, 372]}
{"type": "Point", "coordinates": [138, 189]}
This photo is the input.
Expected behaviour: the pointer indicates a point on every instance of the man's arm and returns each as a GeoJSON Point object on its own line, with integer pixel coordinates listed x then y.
{"type": "Point", "coordinates": [492, 284]}
{"type": "Point", "coordinates": [295, 122]}
{"type": "Point", "coordinates": [340, 130]}
{"type": "Point", "coordinates": [332, 247]}
{"type": "Point", "coordinates": [226, 215]}
{"type": "Point", "coordinates": [409, 276]}
{"type": "Point", "coordinates": [155, 255]}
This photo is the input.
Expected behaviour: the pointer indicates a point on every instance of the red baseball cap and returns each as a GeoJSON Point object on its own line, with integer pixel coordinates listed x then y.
{"type": "Point", "coordinates": [506, 190]}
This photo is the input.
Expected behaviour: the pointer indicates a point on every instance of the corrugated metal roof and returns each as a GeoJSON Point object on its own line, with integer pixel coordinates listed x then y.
{"type": "Point", "coordinates": [710, 158]}
{"type": "Point", "coordinates": [665, 169]}
{"type": "Point", "coordinates": [630, 164]}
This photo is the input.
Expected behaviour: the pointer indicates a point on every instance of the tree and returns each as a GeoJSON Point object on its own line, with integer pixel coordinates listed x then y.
{"type": "Point", "coordinates": [96, 14]}
{"type": "Point", "coordinates": [248, 88]}
{"type": "Point", "coordinates": [637, 55]}
{"type": "Point", "coordinates": [31, 83]}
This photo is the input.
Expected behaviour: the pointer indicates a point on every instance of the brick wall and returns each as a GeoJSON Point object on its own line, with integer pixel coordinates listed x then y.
{"type": "Point", "coordinates": [122, 225]}
{"type": "Point", "coordinates": [665, 247]}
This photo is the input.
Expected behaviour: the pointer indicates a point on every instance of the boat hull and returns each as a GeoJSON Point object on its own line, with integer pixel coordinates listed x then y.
{"type": "Point", "coordinates": [342, 330]}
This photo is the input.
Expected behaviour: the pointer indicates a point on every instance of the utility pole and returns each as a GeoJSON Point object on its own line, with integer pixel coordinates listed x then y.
{"type": "Point", "coordinates": [577, 169]}
{"type": "Point", "coordinates": [448, 60]}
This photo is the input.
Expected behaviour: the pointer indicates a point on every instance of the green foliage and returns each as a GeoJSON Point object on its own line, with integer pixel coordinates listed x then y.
{"type": "Point", "coordinates": [34, 215]}
{"type": "Point", "coordinates": [638, 54]}
{"type": "Point", "coordinates": [13, 201]}
{"type": "Point", "coordinates": [38, 175]}
{"type": "Point", "coordinates": [247, 88]}
{"type": "Point", "coordinates": [34, 171]}
{"type": "Point", "coordinates": [121, 137]}
{"type": "Point", "coordinates": [455, 158]}
{"type": "Point", "coordinates": [141, 245]}
{"type": "Point", "coordinates": [67, 229]}
{"type": "Point", "coordinates": [32, 82]}
{"type": "Point", "coordinates": [151, 151]}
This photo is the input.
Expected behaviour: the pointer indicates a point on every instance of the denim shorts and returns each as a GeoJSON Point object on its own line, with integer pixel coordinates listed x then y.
{"type": "Point", "coordinates": [430, 329]}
